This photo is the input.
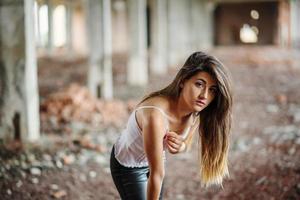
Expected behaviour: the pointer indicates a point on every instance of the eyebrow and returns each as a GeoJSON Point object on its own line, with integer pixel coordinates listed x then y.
{"type": "Point", "coordinates": [201, 80]}
{"type": "Point", "coordinates": [206, 82]}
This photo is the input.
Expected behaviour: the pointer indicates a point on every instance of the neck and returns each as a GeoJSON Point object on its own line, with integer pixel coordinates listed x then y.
{"type": "Point", "coordinates": [180, 110]}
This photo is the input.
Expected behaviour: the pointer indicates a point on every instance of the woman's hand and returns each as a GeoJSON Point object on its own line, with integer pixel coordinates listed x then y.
{"type": "Point", "coordinates": [174, 142]}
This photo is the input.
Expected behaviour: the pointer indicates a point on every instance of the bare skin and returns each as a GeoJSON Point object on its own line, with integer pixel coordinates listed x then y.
{"type": "Point", "coordinates": [196, 94]}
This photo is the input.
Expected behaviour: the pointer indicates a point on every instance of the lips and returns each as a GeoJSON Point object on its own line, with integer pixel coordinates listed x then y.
{"type": "Point", "coordinates": [200, 103]}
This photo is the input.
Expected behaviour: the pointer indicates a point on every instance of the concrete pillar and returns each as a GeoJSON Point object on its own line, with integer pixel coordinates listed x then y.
{"type": "Point", "coordinates": [137, 72]}
{"type": "Point", "coordinates": [158, 64]}
{"type": "Point", "coordinates": [69, 27]}
{"type": "Point", "coordinates": [284, 26]}
{"type": "Point", "coordinates": [19, 106]}
{"type": "Point", "coordinates": [95, 45]}
{"type": "Point", "coordinates": [202, 23]}
{"type": "Point", "coordinates": [295, 23]}
{"type": "Point", "coordinates": [179, 32]}
{"type": "Point", "coordinates": [120, 27]}
{"type": "Point", "coordinates": [107, 50]}
{"type": "Point", "coordinates": [99, 37]}
{"type": "Point", "coordinates": [31, 82]}
{"type": "Point", "coordinates": [38, 28]}
{"type": "Point", "coordinates": [50, 26]}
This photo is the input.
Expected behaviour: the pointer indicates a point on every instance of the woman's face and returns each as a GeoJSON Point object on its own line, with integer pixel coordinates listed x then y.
{"type": "Point", "coordinates": [199, 91]}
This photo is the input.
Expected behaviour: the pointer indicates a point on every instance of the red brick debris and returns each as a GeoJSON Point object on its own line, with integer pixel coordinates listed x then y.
{"type": "Point", "coordinates": [75, 103]}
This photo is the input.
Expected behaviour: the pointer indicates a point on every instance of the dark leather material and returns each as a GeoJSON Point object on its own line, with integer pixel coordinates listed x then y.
{"type": "Point", "coordinates": [131, 183]}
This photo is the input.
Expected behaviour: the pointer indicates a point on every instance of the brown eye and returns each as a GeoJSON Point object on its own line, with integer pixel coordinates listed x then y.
{"type": "Point", "coordinates": [199, 84]}
{"type": "Point", "coordinates": [213, 90]}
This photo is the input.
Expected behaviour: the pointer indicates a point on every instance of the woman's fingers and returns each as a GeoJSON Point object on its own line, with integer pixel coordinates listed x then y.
{"type": "Point", "coordinates": [174, 145]}
{"type": "Point", "coordinates": [176, 140]}
{"type": "Point", "coordinates": [172, 134]}
{"type": "Point", "coordinates": [172, 149]}
{"type": "Point", "coordinates": [175, 135]}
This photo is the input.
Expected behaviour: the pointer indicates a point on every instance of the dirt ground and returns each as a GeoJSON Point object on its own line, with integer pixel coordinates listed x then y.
{"type": "Point", "coordinates": [264, 160]}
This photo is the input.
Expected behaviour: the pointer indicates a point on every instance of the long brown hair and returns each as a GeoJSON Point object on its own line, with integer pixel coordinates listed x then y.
{"type": "Point", "coordinates": [215, 119]}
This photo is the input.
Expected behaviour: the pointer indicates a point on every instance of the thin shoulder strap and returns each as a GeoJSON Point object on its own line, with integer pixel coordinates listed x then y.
{"type": "Point", "coordinates": [159, 109]}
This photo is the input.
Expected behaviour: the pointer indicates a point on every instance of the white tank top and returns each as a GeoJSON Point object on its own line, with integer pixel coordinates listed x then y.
{"type": "Point", "coordinates": [129, 148]}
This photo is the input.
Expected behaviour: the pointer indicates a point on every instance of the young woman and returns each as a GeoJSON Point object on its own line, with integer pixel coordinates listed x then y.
{"type": "Point", "coordinates": [198, 100]}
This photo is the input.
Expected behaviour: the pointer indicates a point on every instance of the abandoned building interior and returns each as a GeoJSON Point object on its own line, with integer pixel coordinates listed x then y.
{"type": "Point", "coordinates": [154, 36]}
{"type": "Point", "coordinates": [71, 71]}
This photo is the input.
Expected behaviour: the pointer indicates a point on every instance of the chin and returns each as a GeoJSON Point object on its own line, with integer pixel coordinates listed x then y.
{"type": "Point", "coordinates": [198, 108]}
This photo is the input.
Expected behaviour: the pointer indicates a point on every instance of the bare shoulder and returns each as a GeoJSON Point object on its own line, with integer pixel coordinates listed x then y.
{"type": "Point", "coordinates": [152, 115]}
{"type": "Point", "coordinates": [158, 101]}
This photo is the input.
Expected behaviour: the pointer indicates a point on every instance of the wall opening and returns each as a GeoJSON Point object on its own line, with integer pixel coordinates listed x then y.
{"type": "Point", "coordinates": [148, 21]}
{"type": "Point", "coordinates": [246, 23]}
{"type": "Point", "coordinates": [99, 91]}
{"type": "Point", "coordinates": [17, 126]}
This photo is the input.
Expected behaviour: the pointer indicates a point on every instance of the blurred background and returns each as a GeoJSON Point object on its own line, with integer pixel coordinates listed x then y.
{"type": "Point", "coordinates": [71, 71]}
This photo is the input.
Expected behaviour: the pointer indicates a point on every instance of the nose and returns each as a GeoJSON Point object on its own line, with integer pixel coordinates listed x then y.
{"type": "Point", "coordinates": [204, 93]}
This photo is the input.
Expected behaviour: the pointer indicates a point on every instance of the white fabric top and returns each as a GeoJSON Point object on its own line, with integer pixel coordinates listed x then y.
{"type": "Point", "coordinates": [129, 148]}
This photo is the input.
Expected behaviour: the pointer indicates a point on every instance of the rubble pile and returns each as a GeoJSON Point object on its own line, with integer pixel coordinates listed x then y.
{"type": "Point", "coordinates": [76, 104]}
{"type": "Point", "coordinates": [20, 170]}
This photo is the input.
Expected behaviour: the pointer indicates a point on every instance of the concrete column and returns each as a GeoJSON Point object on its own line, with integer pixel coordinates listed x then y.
{"type": "Point", "coordinates": [94, 30]}
{"type": "Point", "coordinates": [107, 49]}
{"type": "Point", "coordinates": [137, 72]}
{"type": "Point", "coordinates": [38, 28]}
{"type": "Point", "coordinates": [31, 82]}
{"type": "Point", "coordinates": [284, 26]}
{"type": "Point", "coordinates": [99, 37]}
{"type": "Point", "coordinates": [120, 27]}
{"type": "Point", "coordinates": [50, 26]}
{"type": "Point", "coordinates": [69, 27]}
{"type": "Point", "coordinates": [178, 31]}
{"type": "Point", "coordinates": [19, 106]}
{"type": "Point", "coordinates": [159, 16]}
{"type": "Point", "coordinates": [295, 23]}
{"type": "Point", "coordinates": [202, 13]}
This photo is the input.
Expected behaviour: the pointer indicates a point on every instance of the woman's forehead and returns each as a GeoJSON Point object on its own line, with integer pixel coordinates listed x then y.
{"type": "Point", "coordinates": [206, 77]}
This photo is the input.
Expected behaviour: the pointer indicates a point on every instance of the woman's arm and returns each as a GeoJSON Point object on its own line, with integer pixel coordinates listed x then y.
{"type": "Point", "coordinates": [154, 129]}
